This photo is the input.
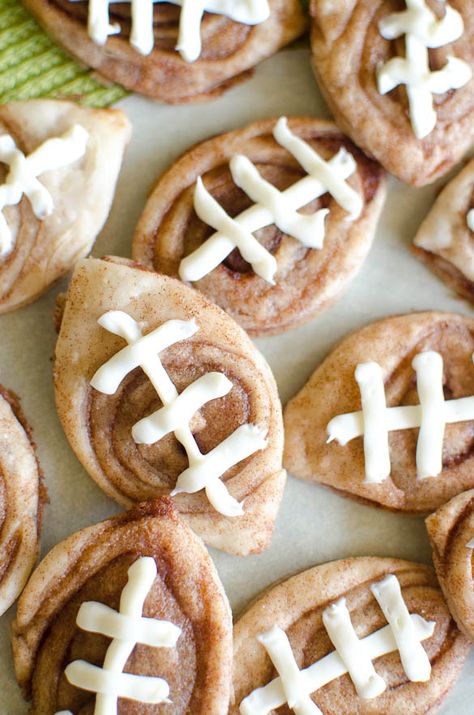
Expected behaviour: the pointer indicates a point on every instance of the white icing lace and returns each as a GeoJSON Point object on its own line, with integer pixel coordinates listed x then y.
{"type": "Point", "coordinates": [422, 31]}
{"type": "Point", "coordinates": [271, 207]}
{"type": "Point", "coordinates": [204, 470]}
{"type": "Point", "coordinates": [293, 687]}
{"type": "Point", "coordinates": [22, 177]}
{"type": "Point", "coordinates": [248, 12]}
{"type": "Point", "coordinates": [376, 420]}
{"type": "Point", "coordinates": [127, 628]}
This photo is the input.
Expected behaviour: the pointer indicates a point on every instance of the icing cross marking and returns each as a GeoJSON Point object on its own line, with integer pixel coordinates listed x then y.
{"type": "Point", "coordinates": [204, 470]}
{"type": "Point", "coordinates": [127, 628]}
{"type": "Point", "coordinates": [293, 687]}
{"type": "Point", "coordinates": [54, 153]}
{"type": "Point", "coordinates": [271, 207]}
{"type": "Point", "coordinates": [422, 31]}
{"type": "Point", "coordinates": [376, 420]}
{"type": "Point", "coordinates": [248, 12]}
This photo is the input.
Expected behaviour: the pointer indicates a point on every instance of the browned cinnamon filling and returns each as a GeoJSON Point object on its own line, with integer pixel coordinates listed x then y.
{"type": "Point", "coordinates": [143, 471]}
{"type": "Point", "coordinates": [188, 668]}
{"type": "Point", "coordinates": [310, 643]}
{"type": "Point", "coordinates": [447, 271]}
{"type": "Point", "coordinates": [234, 201]}
{"type": "Point", "coordinates": [14, 403]}
{"type": "Point", "coordinates": [221, 36]}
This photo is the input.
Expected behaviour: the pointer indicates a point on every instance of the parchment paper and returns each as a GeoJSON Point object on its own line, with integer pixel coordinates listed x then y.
{"type": "Point", "coordinates": [314, 525]}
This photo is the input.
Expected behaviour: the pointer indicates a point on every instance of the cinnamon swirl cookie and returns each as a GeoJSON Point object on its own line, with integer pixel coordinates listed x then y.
{"type": "Point", "coordinates": [398, 78]}
{"type": "Point", "coordinates": [160, 392]}
{"type": "Point", "coordinates": [21, 498]}
{"type": "Point", "coordinates": [200, 220]}
{"type": "Point", "coordinates": [389, 416]}
{"type": "Point", "coordinates": [173, 50]}
{"type": "Point", "coordinates": [445, 239]}
{"type": "Point", "coordinates": [365, 635]}
{"type": "Point", "coordinates": [58, 167]}
{"type": "Point", "coordinates": [138, 596]}
{"type": "Point", "coordinates": [451, 531]}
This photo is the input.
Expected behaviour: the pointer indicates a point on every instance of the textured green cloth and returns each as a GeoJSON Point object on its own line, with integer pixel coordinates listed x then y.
{"type": "Point", "coordinates": [31, 65]}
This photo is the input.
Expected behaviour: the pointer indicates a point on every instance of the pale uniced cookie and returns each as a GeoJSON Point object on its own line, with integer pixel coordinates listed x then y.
{"type": "Point", "coordinates": [398, 78]}
{"type": "Point", "coordinates": [271, 222]}
{"type": "Point", "coordinates": [137, 595]}
{"type": "Point", "coordinates": [176, 51]}
{"type": "Point", "coordinates": [22, 497]}
{"type": "Point", "coordinates": [59, 164]}
{"type": "Point", "coordinates": [372, 636]}
{"type": "Point", "coordinates": [388, 417]}
{"type": "Point", "coordinates": [451, 532]}
{"type": "Point", "coordinates": [160, 392]}
{"type": "Point", "coordinates": [445, 239]}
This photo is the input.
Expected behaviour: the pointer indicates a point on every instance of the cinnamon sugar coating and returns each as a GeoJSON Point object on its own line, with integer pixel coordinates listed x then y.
{"type": "Point", "coordinates": [307, 280]}
{"type": "Point", "coordinates": [99, 427]}
{"type": "Point", "coordinates": [332, 390]}
{"type": "Point", "coordinates": [296, 606]}
{"type": "Point", "coordinates": [450, 529]}
{"type": "Point", "coordinates": [92, 565]}
{"type": "Point", "coordinates": [229, 49]}
{"type": "Point", "coordinates": [347, 48]}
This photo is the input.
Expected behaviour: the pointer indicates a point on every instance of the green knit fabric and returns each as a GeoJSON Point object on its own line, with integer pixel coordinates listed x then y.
{"type": "Point", "coordinates": [31, 65]}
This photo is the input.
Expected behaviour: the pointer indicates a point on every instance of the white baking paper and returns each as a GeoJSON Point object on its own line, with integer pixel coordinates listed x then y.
{"type": "Point", "coordinates": [314, 525]}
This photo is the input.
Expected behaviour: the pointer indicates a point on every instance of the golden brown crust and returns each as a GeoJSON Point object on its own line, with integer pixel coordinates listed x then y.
{"type": "Point", "coordinates": [346, 49]}
{"type": "Point", "coordinates": [92, 565]}
{"type": "Point", "coordinates": [450, 529]}
{"type": "Point", "coordinates": [82, 193]}
{"type": "Point", "coordinates": [230, 49]}
{"type": "Point", "coordinates": [332, 390]}
{"type": "Point", "coordinates": [99, 427]}
{"type": "Point", "coordinates": [296, 606]}
{"type": "Point", "coordinates": [307, 280]}
{"type": "Point", "coordinates": [22, 495]}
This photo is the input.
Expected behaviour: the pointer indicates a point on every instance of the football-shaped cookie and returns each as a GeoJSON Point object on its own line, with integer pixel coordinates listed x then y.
{"type": "Point", "coordinates": [22, 497]}
{"type": "Point", "coordinates": [362, 635]}
{"type": "Point", "coordinates": [451, 532]}
{"type": "Point", "coordinates": [398, 78]}
{"type": "Point", "coordinates": [178, 50]}
{"type": "Point", "coordinates": [271, 222]}
{"type": "Point", "coordinates": [126, 613]}
{"type": "Point", "coordinates": [444, 241]}
{"type": "Point", "coordinates": [59, 164]}
{"type": "Point", "coordinates": [388, 417]}
{"type": "Point", "coordinates": [160, 392]}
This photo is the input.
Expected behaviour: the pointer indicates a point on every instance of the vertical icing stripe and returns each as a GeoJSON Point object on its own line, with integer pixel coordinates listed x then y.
{"type": "Point", "coordinates": [377, 456]}
{"type": "Point", "coordinates": [337, 621]}
{"type": "Point", "coordinates": [416, 663]}
{"type": "Point", "coordinates": [429, 380]}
